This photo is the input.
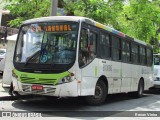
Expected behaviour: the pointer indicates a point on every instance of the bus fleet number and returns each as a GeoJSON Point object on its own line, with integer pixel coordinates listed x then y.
{"type": "Point", "coordinates": [107, 67]}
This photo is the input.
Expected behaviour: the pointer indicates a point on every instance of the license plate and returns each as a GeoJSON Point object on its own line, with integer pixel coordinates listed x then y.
{"type": "Point", "coordinates": [37, 87]}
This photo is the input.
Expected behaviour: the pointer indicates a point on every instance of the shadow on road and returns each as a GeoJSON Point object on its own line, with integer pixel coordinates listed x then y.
{"type": "Point", "coordinates": [116, 104]}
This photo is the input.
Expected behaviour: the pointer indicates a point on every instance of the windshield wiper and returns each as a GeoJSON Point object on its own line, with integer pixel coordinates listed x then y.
{"type": "Point", "coordinates": [32, 56]}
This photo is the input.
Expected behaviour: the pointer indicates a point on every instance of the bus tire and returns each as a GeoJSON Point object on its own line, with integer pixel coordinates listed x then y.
{"type": "Point", "coordinates": [140, 90]}
{"type": "Point", "coordinates": [101, 92]}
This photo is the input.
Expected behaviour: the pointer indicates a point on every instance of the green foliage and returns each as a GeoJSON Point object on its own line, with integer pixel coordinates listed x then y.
{"type": "Point", "coordinates": [137, 18]}
{"type": "Point", "coordinates": [27, 9]}
{"type": "Point", "coordinates": [140, 19]}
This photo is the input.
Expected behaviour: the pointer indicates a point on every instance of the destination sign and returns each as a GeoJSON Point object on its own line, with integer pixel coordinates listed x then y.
{"type": "Point", "coordinates": [51, 28]}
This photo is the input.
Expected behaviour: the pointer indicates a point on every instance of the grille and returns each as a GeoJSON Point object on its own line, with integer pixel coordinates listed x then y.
{"type": "Point", "coordinates": [38, 81]}
{"type": "Point", "coordinates": [45, 91]}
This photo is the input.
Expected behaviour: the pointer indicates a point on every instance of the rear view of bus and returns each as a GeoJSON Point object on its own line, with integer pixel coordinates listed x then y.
{"type": "Point", "coordinates": [157, 71]}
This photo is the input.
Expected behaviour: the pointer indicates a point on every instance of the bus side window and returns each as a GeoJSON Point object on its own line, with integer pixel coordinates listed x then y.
{"type": "Point", "coordinates": [116, 48]}
{"type": "Point", "coordinates": [92, 45]}
{"type": "Point", "coordinates": [105, 46]}
{"type": "Point", "coordinates": [142, 56]}
{"type": "Point", "coordinates": [87, 47]}
{"type": "Point", "coordinates": [135, 55]}
{"type": "Point", "coordinates": [149, 57]}
{"type": "Point", "coordinates": [83, 47]}
{"type": "Point", "coordinates": [126, 57]}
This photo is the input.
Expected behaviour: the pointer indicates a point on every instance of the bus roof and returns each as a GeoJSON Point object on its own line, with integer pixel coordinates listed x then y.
{"type": "Point", "coordinates": [79, 18]}
{"type": "Point", "coordinates": [50, 18]}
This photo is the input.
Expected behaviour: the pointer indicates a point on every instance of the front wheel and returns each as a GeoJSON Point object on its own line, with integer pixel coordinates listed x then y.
{"type": "Point", "coordinates": [101, 92]}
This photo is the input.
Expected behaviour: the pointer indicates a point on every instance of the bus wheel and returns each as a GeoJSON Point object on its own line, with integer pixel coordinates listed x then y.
{"type": "Point", "coordinates": [140, 90]}
{"type": "Point", "coordinates": [100, 94]}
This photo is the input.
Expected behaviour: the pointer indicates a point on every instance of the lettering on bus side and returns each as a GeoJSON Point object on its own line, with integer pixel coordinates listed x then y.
{"type": "Point", "coordinates": [107, 67]}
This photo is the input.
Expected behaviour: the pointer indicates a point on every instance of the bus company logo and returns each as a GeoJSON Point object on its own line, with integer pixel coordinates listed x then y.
{"type": "Point", "coordinates": [20, 114]}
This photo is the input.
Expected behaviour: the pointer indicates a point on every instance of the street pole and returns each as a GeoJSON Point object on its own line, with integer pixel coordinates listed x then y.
{"type": "Point", "coordinates": [54, 4]}
{"type": "Point", "coordinates": [0, 16]}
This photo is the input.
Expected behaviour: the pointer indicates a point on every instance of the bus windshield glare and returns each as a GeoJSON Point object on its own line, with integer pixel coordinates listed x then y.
{"type": "Point", "coordinates": [47, 43]}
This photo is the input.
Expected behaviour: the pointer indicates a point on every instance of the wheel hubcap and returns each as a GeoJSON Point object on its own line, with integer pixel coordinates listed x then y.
{"type": "Point", "coordinates": [98, 92]}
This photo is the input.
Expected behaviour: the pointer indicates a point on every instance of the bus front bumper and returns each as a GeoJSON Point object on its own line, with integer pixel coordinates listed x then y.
{"type": "Point", "coordinates": [61, 90]}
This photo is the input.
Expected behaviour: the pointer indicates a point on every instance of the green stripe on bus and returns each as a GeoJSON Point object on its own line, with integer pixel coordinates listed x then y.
{"type": "Point", "coordinates": [96, 71]}
{"type": "Point", "coordinates": [38, 78]}
{"type": "Point", "coordinates": [121, 73]}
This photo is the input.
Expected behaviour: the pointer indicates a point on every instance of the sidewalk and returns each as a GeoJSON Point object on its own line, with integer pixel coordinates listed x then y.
{"type": "Point", "coordinates": [3, 90]}
{"type": "Point", "coordinates": [4, 95]}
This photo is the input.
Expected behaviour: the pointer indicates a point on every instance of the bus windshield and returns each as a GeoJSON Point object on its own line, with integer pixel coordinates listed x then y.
{"type": "Point", "coordinates": [156, 59]}
{"type": "Point", "coordinates": [47, 43]}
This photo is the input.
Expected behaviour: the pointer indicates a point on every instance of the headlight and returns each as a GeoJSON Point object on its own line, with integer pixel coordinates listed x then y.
{"type": "Point", "coordinates": [66, 79]}
{"type": "Point", "coordinates": [69, 78]}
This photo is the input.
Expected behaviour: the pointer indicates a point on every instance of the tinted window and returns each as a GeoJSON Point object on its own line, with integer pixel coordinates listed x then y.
{"type": "Point", "coordinates": [149, 57]}
{"type": "Point", "coordinates": [104, 46]}
{"type": "Point", "coordinates": [87, 48]}
{"type": "Point", "coordinates": [143, 55]}
{"type": "Point", "coordinates": [135, 55]}
{"type": "Point", "coordinates": [116, 48]}
{"type": "Point", "coordinates": [126, 51]}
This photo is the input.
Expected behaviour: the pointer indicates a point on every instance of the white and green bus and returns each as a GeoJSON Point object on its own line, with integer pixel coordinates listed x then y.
{"type": "Point", "coordinates": [69, 56]}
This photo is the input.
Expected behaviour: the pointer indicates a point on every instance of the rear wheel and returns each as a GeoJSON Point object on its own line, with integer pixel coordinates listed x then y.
{"type": "Point", "coordinates": [139, 92]}
{"type": "Point", "coordinates": [101, 92]}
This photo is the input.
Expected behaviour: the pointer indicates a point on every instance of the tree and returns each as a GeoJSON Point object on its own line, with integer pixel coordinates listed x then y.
{"type": "Point", "coordinates": [140, 19]}
{"type": "Point", "coordinates": [27, 9]}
